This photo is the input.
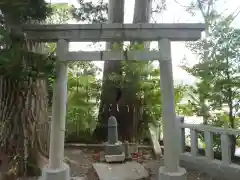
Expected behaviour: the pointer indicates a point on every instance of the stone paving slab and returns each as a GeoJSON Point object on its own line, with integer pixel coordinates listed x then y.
{"type": "Point", "coordinates": [123, 171]}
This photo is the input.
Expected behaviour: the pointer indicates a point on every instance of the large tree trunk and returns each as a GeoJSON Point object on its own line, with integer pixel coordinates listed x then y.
{"type": "Point", "coordinates": [142, 11]}
{"type": "Point", "coordinates": [126, 109]}
{"type": "Point", "coordinates": [130, 117]}
{"type": "Point", "coordinates": [23, 106]}
{"type": "Point", "coordinates": [110, 89]}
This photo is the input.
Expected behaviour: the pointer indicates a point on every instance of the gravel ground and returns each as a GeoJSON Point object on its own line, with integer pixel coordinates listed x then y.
{"type": "Point", "coordinates": [81, 159]}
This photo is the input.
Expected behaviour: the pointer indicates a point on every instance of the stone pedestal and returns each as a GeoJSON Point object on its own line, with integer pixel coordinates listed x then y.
{"type": "Point", "coordinates": [115, 158]}
{"type": "Point", "coordinates": [56, 174]}
{"type": "Point", "coordinates": [127, 151]}
{"type": "Point", "coordinates": [114, 149]}
{"type": "Point", "coordinates": [164, 175]}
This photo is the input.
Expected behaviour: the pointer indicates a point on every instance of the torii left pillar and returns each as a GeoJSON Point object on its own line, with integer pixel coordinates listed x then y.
{"type": "Point", "coordinates": [57, 169]}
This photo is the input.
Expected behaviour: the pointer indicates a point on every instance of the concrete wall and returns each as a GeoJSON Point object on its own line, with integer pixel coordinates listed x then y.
{"type": "Point", "coordinates": [214, 168]}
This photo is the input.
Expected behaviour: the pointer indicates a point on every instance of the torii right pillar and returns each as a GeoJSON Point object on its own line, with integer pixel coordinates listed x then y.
{"type": "Point", "coordinates": [171, 169]}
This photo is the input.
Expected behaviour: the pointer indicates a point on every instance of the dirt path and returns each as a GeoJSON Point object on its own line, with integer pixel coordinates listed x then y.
{"type": "Point", "coordinates": [80, 161]}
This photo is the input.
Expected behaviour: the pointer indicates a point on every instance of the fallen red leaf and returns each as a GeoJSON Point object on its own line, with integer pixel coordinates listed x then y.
{"type": "Point", "coordinates": [96, 156]}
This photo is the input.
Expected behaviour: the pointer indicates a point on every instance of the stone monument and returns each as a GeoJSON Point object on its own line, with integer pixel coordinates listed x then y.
{"type": "Point", "coordinates": [115, 152]}
{"type": "Point", "coordinates": [114, 149]}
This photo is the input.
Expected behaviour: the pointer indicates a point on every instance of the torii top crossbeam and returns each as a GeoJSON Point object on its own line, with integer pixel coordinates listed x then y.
{"type": "Point", "coordinates": [114, 32]}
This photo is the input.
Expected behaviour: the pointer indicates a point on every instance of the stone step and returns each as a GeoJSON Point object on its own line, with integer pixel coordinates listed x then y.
{"type": "Point", "coordinates": [121, 171]}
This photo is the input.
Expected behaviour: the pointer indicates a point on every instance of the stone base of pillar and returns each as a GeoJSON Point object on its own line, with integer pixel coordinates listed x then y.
{"type": "Point", "coordinates": [56, 174]}
{"type": "Point", "coordinates": [180, 175]}
{"type": "Point", "coordinates": [113, 149]}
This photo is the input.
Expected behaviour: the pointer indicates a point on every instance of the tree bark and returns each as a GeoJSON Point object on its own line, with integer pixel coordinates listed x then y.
{"type": "Point", "coordinates": [131, 111]}
{"type": "Point", "coordinates": [110, 89]}
{"type": "Point", "coordinates": [23, 106]}
{"type": "Point", "coordinates": [142, 11]}
{"type": "Point", "coordinates": [126, 108]}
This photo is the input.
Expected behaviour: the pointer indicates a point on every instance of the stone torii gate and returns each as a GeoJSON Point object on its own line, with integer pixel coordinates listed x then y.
{"type": "Point", "coordinates": [63, 34]}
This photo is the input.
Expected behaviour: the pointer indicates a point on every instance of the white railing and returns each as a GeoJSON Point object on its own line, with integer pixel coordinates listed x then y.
{"type": "Point", "coordinates": [208, 132]}
{"type": "Point", "coordinates": [224, 168]}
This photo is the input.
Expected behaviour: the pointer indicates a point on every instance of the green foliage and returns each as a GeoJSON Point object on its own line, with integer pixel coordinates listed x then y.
{"type": "Point", "coordinates": [15, 61]}
{"type": "Point", "coordinates": [25, 10]}
{"type": "Point", "coordinates": [218, 77]}
{"type": "Point", "coordinates": [206, 8]}
{"type": "Point", "coordinates": [90, 12]}
{"type": "Point", "coordinates": [83, 100]}
{"type": "Point", "coordinates": [97, 12]}
{"type": "Point", "coordinates": [147, 76]}
{"type": "Point", "coordinates": [19, 64]}
{"type": "Point", "coordinates": [83, 87]}
{"type": "Point", "coordinates": [159, 6]}
{"type": "Point", "coordinates": [60, 14]}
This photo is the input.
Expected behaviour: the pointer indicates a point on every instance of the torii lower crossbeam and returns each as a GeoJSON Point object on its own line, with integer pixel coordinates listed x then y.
{"type": "Point", "coordinates": [110, 55]}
